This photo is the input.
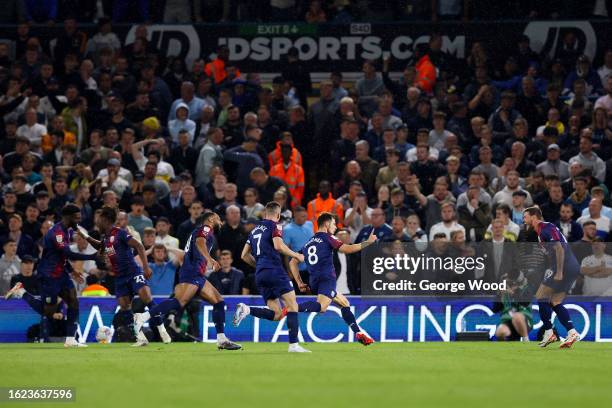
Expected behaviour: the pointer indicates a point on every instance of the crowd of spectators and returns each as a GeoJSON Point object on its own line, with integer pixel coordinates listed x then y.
{"type": "Point", "coordinates": [453, 151]}
{"type": "Point", "coordinates": [310, 11]}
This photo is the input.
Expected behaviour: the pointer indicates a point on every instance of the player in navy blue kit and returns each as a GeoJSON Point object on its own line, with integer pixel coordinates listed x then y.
{"type": "Point", "coordinates": [262, 251]}
{"type": "Point", "coordinates": [558, 280]}
{"type": "Point", "coordinates": [54, 272]}
{"type": "Point", "coordinates": [318, 254]}
{"type": "Point", "coordinates": [130, 278]}
{"type": "Point", "coordinates": [192, 282]}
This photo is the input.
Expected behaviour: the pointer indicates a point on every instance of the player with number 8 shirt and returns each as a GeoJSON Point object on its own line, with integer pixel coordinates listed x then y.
{"type": "Point", "coordinates": [318, 253]}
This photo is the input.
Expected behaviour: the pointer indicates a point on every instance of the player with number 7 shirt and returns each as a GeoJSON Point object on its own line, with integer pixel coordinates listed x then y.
{"type": "Point", "coordinates": [262, 251]}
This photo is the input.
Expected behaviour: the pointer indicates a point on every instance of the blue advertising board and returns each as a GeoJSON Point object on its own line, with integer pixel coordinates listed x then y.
{"type": "Point", "coordinates": [390, 319]}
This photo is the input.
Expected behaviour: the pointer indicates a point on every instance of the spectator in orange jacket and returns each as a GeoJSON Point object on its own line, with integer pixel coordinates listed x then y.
{"type": "Point", "coordinates": [217, 68]}
{"type": "Point", "coordinates": [426, 71]}
{"type": "Point", "coordinates": [275, 157]}
{"type": "Point", "coordinates": [325, 203]}
{"type": "Point", "coordinates": [291, 173]}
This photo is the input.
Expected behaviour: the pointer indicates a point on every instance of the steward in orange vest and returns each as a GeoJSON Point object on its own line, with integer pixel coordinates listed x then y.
{"type": "Point", "coordinates": [426, 73]}
{"type": "Point", "coordinates": [276, 156]}
{"type": "Point", "coordinates": [325, 203]}
{"type": "Point", "coordinates": [216, 68]}
{"type": "Point", "coordinates": [291, 173]}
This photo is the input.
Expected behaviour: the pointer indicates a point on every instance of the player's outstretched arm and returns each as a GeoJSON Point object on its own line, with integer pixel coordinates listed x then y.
{"type": "Point", "coordinates": [295, 273]}
{"type": "Point", "coordinates": [246, 255]}
{"type": "Point", "coordinates": [132, 243]}
{"type": "Point", "coordinates": [92, 241]}
{"type": "Point", "coordinates": [281, 247]}
{"type": "Point", "coordinates": [201, 245]}
{"type": "Point", "coordinates": [352, 248]}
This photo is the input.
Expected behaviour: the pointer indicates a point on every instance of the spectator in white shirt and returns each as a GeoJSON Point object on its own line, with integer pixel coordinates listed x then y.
{"type": "Point", "coordinates": [605, 71]}
{"type": "Point", "coordinates": [588, 158]}
{"type": "Point", "coordinates": [512, 184]}
{"type": "Point", "coordinates": [602, 222]}
{"type": "Point", "coordinates": [448, 223]}
{"type": "Point", "coordinates": [32, 130]}
{"type": "Point", "coordinates": [162, 229]}
{"type": "Point", "coordinates": [358, 215]}
{"type": "Point", "coordinates": [438, 135]}
{"type": "Point", "coordinates": [597, 271]}
{"type": "Point", "coordinates": [598, 192]}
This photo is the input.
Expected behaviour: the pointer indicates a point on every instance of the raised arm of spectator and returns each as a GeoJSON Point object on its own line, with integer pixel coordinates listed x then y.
{"type": "Point", "coordinates": [138, 147]}
{"type": "Point", "coordinates": [179, 253]}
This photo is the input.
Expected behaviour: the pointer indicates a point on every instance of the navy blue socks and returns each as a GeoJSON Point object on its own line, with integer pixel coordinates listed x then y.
{"type": "Point", "coordinates": [292, 324]}
{"type": "Point", "coordinates": [349, 318]}
{"type": "Point", "coordinates": [310, 306]}
{"type": "Point", "coordinates": [218, 316]}
{"type": "Point", "coordinates": [564, 316]}
{"type": "Point", "coordinates": [545, 313]}
{"type": "Point", "coordinates": [162, 309]}
{"type": "Point", "coordinates": [262, 313]}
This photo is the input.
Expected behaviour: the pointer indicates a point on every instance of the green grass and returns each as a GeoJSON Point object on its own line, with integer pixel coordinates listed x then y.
{"type": "Point", "coordinates": [464, 375]}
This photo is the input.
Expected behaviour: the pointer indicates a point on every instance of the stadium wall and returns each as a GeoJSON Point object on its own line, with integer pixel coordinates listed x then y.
{"type": "Point", "coordinates": [385, 319]}
{"type": "Point", "coordinates": [262, 47]}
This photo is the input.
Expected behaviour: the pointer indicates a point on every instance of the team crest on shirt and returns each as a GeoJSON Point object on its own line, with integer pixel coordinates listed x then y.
{"type": "Point", "coordinates": [59, 238]}
{"type": "Point", "coordinates": [279, 227]}
{"type": "Point", "coordinates": [206, 229]}
{"type": "Point", "coordinates": [112, 239]}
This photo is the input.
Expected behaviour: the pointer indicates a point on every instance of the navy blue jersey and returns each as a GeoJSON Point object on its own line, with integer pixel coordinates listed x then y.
{"type": "Point", "coordinates": [194, 262]}
{"type": "Point", "coordinates": [549, 233]}
{"type": "Point", "coordinates": [262, 244]}
{"type": "Point", "coordinates": [119, 252]}
{"type": "Point", "coordinates": [56, 246]}
{"type": "Point", "coordinates": [319, 254]}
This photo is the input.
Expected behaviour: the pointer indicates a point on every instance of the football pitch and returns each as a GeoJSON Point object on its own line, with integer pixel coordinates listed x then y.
{"type": "Point", "coordinates": [463, 374]}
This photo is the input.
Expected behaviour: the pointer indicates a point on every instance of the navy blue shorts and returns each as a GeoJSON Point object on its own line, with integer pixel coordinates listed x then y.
{"type": "Point", "coordinates": [323, 285]}
{"type": "Point", "coordinates": [192, 279]}
{"type": "Point", "coordinates": [50, 287]}
{"type": "Point", "coordinates": [273, 283]}
{"type": "Point", "coordinates": [129, 285]}
{"type": "Point", "coordinates": [571, 272]}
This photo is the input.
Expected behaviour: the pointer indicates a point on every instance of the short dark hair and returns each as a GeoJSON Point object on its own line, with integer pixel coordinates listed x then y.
{"type": "Point", "coordinates": [109, 213]}
{"type": "Point", "coordinates": [324, 217]}
{"type": "Point", "coordinates": [70, 209]}
{"type": "Point", "coordinates": [534, 211]}
{"type": "Point", "coordinates": [205, 217]}
{"type": "Point", "coordinates": [163, 219]}
{"type": "Point", "coordinates": [505, 208]}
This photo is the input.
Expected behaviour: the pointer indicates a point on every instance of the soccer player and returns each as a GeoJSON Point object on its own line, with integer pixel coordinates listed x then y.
{"type": "Point", "coordinates": [117, 244]}
{"type": "Point", "coordinates": [54, 274]}
{"type": "Point", "coordinates": [558, 280]}
{"type": "Point", "coordinates": [35, 302]}
{"type": "Point", "coordinates": [193, 283]}
{"type": "Point", "coordinates": [318, 254]}
{"type": "Point", "coordinates": [262, 251]}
